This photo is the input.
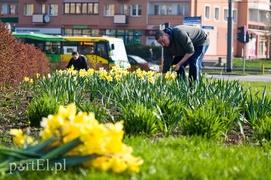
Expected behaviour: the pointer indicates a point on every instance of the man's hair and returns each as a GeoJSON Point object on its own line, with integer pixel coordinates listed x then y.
{"type": "Point", "coordinates": [159, 34]}
{"type": "Point", "coordinates": [74, 53]}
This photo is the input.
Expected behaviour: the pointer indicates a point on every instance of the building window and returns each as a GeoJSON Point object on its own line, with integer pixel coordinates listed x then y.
{"type": "Point", "coordinates": [66, 8]}
{"type": "Point", "coordinates": [136, 10]}
{"type": "Point", "coordinates": [84, 8]}
{"type": "Point", "coordinates": [110, 32]}
{"type": "Point", "coordinates": [182, 9]}
{"type": "Point", "coordinates": [77, 32]}
{"type": "Point", "coordinates": [264, 16]}
{"type": "Point", "coordinates": [109, 10]}
{"type": "Point", "coordinates": [137, 38]}
{"type": "Point", "coordinates": [13, 9]}
{"type": "Point", "coordinates": [207, 12]}
{"type": "Point", "coordinates": [262, 48]}
{"type": "Point", "coordinates": [253, 15]}
{"type": "Point", "coordinates": [234, 15]}
{"type": "Point", "coordinates": [68, 32]}
{"type": "Point", "coordinates": [42, 8]}
{"type": "Point", "coordinates": [28, 9]}
{"type": "Point", "coordinates": [72, 8]}
{"type": "Point", "coordinates": [226, 14]}
{"type": "Point", "coordinates": [163, 9]}
{"type": "Point", "coordinates": [216, 14]}
{"type": "Point", "coordinates": [95, 11]}
{"type": "Point", "coordinates": [86, 32]}
{"type": "Point", "coordinates": [80, 32]}
{"type": "Point", "coordinates": [124, 9]}
{"type": "Point", "coordinates": [8, 9]}
{"type": "Point", "coordinates": [95, 32]}
{"type": "Point", "coordinates": [81, 8]}
{"type": "Point", "coordinates": [78, 8]}
{"type": "Point", "coordinates": [129, 37]}
{"type": "Point", "coordinates": [168, 9]}
{"type": "Point", "coordinates": [5, 9]}
{"type": "Point", "coordinates": [90, 8]}
{"type": "Point", "coordinates": [53, 9]}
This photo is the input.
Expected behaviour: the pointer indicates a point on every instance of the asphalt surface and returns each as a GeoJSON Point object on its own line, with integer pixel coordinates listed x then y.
{"type": "Point", "coordinates": [260, 78]}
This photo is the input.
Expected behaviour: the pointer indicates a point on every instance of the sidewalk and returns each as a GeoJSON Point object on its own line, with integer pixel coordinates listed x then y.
{"type": "Point", "coordinates": [213, 58]}
{"type": "Point", "coordinates": [259, 78]}
{"type": "Point", "coordinates": [212, 61]}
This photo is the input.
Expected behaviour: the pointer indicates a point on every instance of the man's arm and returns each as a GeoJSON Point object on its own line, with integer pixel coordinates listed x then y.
{"type": "Point", "coordinates": [69, 64]}
{"type": "Point", "coordinates": [167, 62]}
{"type": "Point", "coordinates": [85, 63]}
{"type": "Point", "coordinates": [182, 61]}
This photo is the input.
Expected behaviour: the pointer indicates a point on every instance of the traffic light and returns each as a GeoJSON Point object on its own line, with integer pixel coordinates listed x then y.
{"type": "Point", "coordinates": [241, 34]}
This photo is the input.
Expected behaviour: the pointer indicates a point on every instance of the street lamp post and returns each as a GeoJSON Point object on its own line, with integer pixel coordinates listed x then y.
{"type": "Point", "coordinates": [229, 38]}
{"type": "Point", "coordinates": [163, 26]}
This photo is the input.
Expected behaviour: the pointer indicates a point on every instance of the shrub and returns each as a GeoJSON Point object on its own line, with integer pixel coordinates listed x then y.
{"type": "Point", "coordinates": [143, 51]}
{"type": "Point", "coordinates": [18, 59]}
{"type": "Point", "coordinates": [139, 120]}
{"type": "Point", "coordinates": [40, 107]}
{"type": "Point", "coordinates": [169, 114]}
{"type": "Point", "coordinates": [210, 120]}
{"type": "Point", "coordinates": [262, 130]}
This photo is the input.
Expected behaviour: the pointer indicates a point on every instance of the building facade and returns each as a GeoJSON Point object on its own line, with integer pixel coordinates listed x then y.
{"type": "Point", "coordinates": [135, 21]}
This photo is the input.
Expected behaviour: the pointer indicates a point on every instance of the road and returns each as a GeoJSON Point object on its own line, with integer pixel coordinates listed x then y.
{"type": "Point", "coordinates": [261, 78]}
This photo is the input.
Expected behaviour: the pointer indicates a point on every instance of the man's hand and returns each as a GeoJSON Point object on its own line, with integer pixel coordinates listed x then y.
{"type": "Point", "coordinates": [183, 60]}
{"type": "Point", "coordinates": [177, 67]}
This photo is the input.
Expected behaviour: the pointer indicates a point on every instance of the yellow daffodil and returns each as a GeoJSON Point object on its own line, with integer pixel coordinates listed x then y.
{"type": "Point", "coordinates": [26, 79]}
{"type": "Point", "coordinates": [103, 139]}
{"type": "Point", "coordinates": [118, 77]}
{"type": "Point", "coordinates": [171, 75]}
{"type": "Point", "coordinates": [91, 71]}
{"type": "Point", "coordinates": [20, 138]}
{"type": "Point", "coordinates": [151, 80]}
{"type": "Point", "coordinates": [37, 75]}
{"type": "Point", "coordinates": [119, 165]}
{"type": "Point", "coordinates": [109, 78]}
{"type": "Point", "coordinates": [60, 72]}
{"type": "Point", "coordinates": [83, 73]}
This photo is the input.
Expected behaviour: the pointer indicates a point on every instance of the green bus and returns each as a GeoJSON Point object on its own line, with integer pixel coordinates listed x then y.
{"type": "Point", "coordinates": [99, 51]}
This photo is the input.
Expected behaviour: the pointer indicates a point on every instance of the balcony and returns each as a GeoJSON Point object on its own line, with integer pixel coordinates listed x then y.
{"type": "Point", "coordinates": [40, 18]}
{"type": "Point", "coordinates": [120, 19]}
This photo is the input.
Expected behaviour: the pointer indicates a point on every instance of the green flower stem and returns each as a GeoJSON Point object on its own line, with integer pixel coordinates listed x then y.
{"type": "Point", "coordinates": [75, 160]}
{"type": "Point", "coordinates": [40, 147]}
{"type": "Point", "coordinates": [18, 153]}
{"type": "Point", "coordinates": [61, 150]}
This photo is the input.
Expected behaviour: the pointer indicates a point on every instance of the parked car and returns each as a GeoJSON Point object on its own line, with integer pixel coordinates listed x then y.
{"type": "Point", "coordinates": [138, 62]}
{"type": "Point", "coordinates": [150, 60]}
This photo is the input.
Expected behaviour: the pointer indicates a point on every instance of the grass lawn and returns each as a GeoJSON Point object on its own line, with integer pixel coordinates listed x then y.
{"type": "Point", "coordinates": [258, 87]}
{"type": "Point", "coordinates": [251, 67]}
{"type": "Point", "coordinates": [252, 63]}
{"type": "Point", "coordinates": [179, 158]}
